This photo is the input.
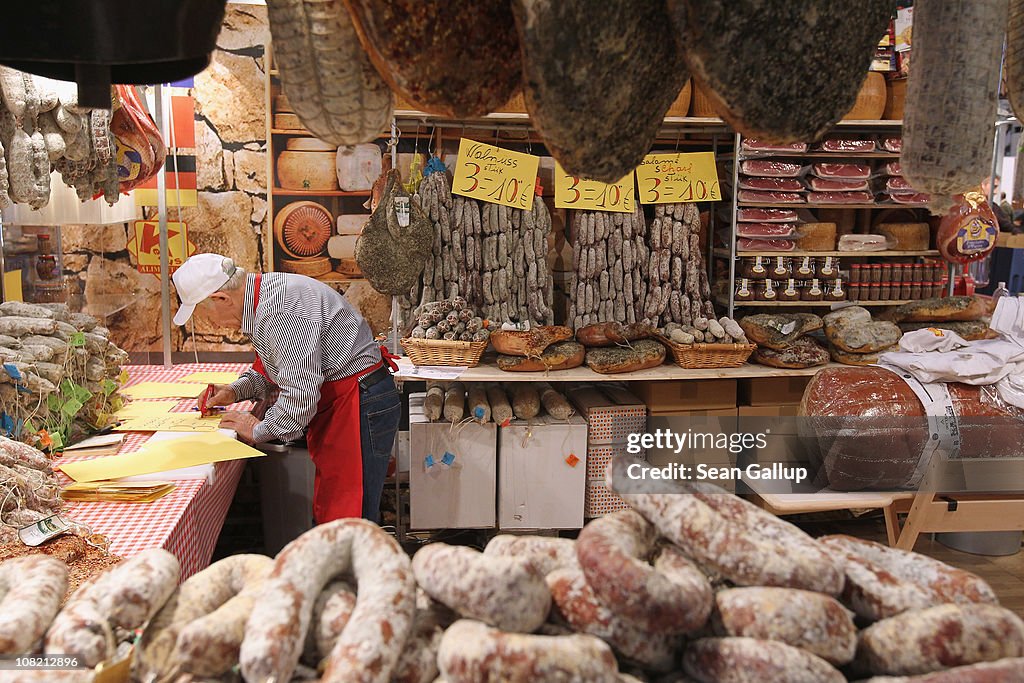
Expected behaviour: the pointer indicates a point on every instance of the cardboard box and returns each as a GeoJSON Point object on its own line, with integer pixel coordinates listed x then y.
{"type": "Point", "coordinates": [601, 501]}
{"type": "Point", "coordinates": [772, 391]}
{"type": "Point", "coordinates": [612, 414]}
{"type": "Point", "coordinates": [780, 425]}
{"type": "Point", "coordinates": [716, 423]}
{"type": "Point", "coordinates": [687, 394]}
{"type": "Point", "coordinates": [451, 474]}
{"type": "Point", "coordinates": [598, 458]}
{"type": "Point", "coordinates": [542, 473]}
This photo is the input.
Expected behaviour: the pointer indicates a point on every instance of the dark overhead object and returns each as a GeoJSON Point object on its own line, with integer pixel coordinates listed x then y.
{"type": "Point", "coordinates": [96, 43]}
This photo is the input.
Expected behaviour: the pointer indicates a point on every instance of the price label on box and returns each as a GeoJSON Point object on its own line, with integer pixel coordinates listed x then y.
{"type": "Point", "coordinates": [679, 177]}
{"type": "Point", "coordinates": [495, 175]}
{"type": "Point", "coordinates": [592, 195]}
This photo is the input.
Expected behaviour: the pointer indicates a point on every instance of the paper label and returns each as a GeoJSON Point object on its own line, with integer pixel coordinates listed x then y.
{"type": "Point", "coordinates": [943, 427]}
{"type": "Point", "coordinates": [678, 178]}
{"type": "Point", "coordinates": [976, 237]}
{"type": "Point", "coordinates": [495, 175]}
{"type": "Point", "coordinates": [572, 192]}
{"type": "Point", "coordinates": [43, 530]}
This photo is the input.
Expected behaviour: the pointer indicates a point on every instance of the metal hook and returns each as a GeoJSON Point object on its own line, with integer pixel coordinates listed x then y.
{"type": "Point", "coordinates": [433, 131]}
{"type": "Point", "coordinates": [416, 140]}
{"type": "Point", "coordinates": [679, 134]}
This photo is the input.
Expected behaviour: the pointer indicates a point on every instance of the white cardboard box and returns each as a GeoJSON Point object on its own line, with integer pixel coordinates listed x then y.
{"type": "Point", "coordinates": [451, 474]}
{"type": "Point", "coordinates": [543, 474]}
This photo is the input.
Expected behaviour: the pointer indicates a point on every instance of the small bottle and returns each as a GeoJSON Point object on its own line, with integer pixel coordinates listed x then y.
{"type": "Point", "coordinates": [916, 292]}
{"type": "Point", "coordinates": [855, 274]}
{"type": "Point", "coordinates": [1000, 291]}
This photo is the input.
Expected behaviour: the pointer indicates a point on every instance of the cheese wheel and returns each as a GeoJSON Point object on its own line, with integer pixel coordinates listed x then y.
{"type": "Point", "coordinates": [342, 246]}
{"type": "Point", "coordinates": [352, 224]}
{"type": "Point", "coordinates": [817, 237]}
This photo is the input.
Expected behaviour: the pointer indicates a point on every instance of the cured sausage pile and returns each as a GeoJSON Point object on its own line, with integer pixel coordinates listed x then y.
{"type": "Point", "coordinates": [47, 351]}
{"type": "Point", "coordinates": [702, 585]}
{"type": "Point", "coordinates": [29, 489]}
{"type": "Point", "coordinates": [629, 272]}
{"type": "Point", "coordinates": [495, 257]}
{"type": "Point", "coordinates": [97, 151]}
{"type": "Point", "coordinates": [485, 403]}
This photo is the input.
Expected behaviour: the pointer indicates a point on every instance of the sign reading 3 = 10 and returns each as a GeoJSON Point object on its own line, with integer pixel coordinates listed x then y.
{"type": "Point", "coordinates": [678, 177]}
{"type": "Point", "coordinates": [592, 195]}
{"type": "Point", "coordinates": [495, 175]}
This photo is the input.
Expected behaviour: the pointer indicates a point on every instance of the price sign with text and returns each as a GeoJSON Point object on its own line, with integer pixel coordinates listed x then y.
{"type": "Point", "coordinates": [678, 177]}
{"type": "Point", "coordinates": [593, 195]}
{"type": "Point", "coordinates": [495, 175]}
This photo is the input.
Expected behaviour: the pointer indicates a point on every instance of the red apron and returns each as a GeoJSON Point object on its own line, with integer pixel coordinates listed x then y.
{"type": "Point", "coordinates": [334, 441]}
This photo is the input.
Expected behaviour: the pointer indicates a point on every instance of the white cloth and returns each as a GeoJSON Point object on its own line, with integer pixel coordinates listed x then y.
{"type": "Point", "coordinates": [949, 358]}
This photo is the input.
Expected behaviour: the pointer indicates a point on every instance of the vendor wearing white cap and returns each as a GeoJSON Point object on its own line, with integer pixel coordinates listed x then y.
{"type": "Point", "coordinates": [335, 381]}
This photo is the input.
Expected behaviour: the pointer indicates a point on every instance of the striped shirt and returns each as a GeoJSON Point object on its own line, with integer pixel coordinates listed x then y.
{"type": "Point", "coordinates": [306, 334]}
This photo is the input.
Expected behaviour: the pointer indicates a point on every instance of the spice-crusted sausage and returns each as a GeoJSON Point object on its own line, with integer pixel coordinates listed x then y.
{"type": "Point", "coordinates": [505, 592]}
{"type": "Point", "coordinates": [125, 596]}
{"type": "Point", "coordinates": [472, 652]}
{"type": "Point", "coordinates": [207, 597]}
{"type": "Point", "coordinates": [739, 660]}
{"type": "Point", "coordinates": [545, 553]}
{"type": "Point", "coordinates": [612, 551]}
{"type": "Point", "coordinates": [747, 545]}
{"type": "Point", "coordinates": [372, 640]}
{"type": "Point", "coordinates": [586, 614]}
{"type": "Point", "coordinates": [31, 590]}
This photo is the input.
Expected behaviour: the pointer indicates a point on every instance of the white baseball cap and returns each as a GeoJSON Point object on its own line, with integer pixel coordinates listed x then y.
{"type": "Point", "coordinates": [198, 278]}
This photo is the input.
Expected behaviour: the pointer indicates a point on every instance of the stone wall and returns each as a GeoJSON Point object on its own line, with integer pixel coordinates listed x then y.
{"type": "Point", "coordinates": [231, 215]}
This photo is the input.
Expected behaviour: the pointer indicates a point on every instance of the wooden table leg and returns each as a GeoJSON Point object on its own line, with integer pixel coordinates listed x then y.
{"type": "Point", "coordinates": [915, 521]}
{"type": "Point", "coordinates": [892, 523]}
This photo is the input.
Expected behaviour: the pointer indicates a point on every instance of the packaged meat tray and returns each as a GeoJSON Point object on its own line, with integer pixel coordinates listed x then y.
{"type": "Point", "coordinates": [771, 184]}
{"type": "Point", "coordinates": [898, 184]}
{"type": "Point", "coordinates": [871, 430]}
{"type": "Point", "coordinates": [893, 168]}
{"type": "Point", "coordinates": [863, 243]}
{"type": "Point", "coordinates": [771, 169]}
{"type": "Point", "coordinates": [892, 144]}
{"type": "Point", "coordinates": [910, 197]}
{"type": "Point", "coordinates": [753, 215]}
{"type": "Point", "coordinates": [767, 230]}
{"type": "Point", "coordinates": [752, 145]}
{"type": "Point", "coordinates": [840, 198]}
{"type": "Point", "coordinates": [770, 197]}
{"type": "Point", "coordinates": [847, 171]}
{"type": "Point", "coordinates": [837, 184]}
{"type": "Point", "coordinates": [851, 145]}
{"type": "Point", "coordinates": [746, 244]}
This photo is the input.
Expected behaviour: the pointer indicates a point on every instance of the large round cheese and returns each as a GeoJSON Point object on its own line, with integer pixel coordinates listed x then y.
{"type": "Point", "coordinates": [342, 246]}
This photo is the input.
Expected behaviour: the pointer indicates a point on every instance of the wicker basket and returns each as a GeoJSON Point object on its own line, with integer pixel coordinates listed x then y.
{"type": "Point", "coordinates": [695, 356]}
{"type": "Point", "coordinates": [444, 352]}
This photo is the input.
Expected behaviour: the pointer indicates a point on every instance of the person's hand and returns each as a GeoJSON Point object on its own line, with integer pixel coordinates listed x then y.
{"type": "Point", "coordinates": [223, 395]}
{"type": "Point", "coordinates": [242, 423]}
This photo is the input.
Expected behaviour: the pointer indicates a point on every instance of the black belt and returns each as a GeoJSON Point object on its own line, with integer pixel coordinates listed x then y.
{"type": "Point", "coordinates": [372, 378]}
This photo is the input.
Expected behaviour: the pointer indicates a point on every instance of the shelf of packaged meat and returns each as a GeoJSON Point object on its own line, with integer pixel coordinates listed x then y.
{"type": "Point", "coordinates": [488, 372]}
{"type": "Point", "coordinates": [724, 253]}
{"type": "Point", "coordinates": [749, 154]}
{"type": "Point", "coordinates": [809, 205]}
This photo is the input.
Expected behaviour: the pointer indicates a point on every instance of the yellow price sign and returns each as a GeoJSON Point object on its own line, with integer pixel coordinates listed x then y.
{"type": "Point", "coordinates": [495, 175]}
{"type": "Point", "coordinates": [678, 177]}
{"type": "Point", "coordinates": [592, 195]}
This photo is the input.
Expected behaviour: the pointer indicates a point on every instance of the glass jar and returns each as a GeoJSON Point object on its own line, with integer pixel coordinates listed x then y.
{"type": "Point", "coordinates": [905, 289]}
{"type": "Point", "coordinates": [876, 273]}
{"type": "Point", "coordinates": [885, 291]}
{"type": "Point", "coordinates": [744, 291]}
{"type": "Point", "coordinates": [873, 291]}
{"type": "Point", "coordinates": [829, 268]}
{"type": "Point", "coordinates": [813, 291]}
{"type": "Point", "coordinates": [44, 246]}
{"type": "Point", "coordinates": [836, 291]}
{"type": "Point", "coordinates": [803, 267]}
{"type": "Point", "coordinates": [46, 267]}
{"type": "Point", "coordinates": [855, 274]}
{"type": "Point", "coordinates": [916, 292]}
{"type": "Point", "coordinates": [791, 292]}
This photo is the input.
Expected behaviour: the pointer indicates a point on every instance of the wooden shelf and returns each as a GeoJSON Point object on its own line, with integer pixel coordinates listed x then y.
{"type": "Point", "coordinates": [488, 372]}
{"type": "Point", "coordinates": [298, 133]}
{"type": "Point", "coordinates": [846, 254]}
{"type": "Point", "coordinates": [281, 192]}
{"type": "Point", "coordinates": [871, 123]}
{"type": "Point", "coordinates": [794, 304]}
{"type": "Point", "coordinates": [808, 205]}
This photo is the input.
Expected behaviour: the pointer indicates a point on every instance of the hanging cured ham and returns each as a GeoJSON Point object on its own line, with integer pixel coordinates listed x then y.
{"type": "Point", "coordinates": [781, 70]}
{"type": "Point", "coordinates": [327, 77]}
{"type": "Point", "coordinates": [598, 78]}
{"type": "Point", "coordinates": [456, 59]}
{"type": "Point", "coordinates": [140, 149]}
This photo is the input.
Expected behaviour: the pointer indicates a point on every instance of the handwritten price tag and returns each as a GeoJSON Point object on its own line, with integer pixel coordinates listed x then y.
{"type": "Point", "coordinates": [495, 175]}
{"type": "Point", "coordinates": [593, 195]}
{"type": "Point", "coordinates": [678, 178]}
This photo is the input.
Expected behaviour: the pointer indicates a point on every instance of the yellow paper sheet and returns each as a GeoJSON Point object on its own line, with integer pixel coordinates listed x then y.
{"type": "Point", "coordinates": [12, 286]}
{"type": "Point", "coordinates": [162, 456]}
{"type": "Point", "coordinates": [146, 409]}
{"type": "Point", "coordinates": [163, 390]}
{"type": "Point", "coordinates": [170, 422]}
{"type": "Point", "coordinates": [211, 377]}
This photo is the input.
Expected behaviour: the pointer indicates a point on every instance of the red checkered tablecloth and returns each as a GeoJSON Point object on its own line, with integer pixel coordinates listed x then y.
{"type": "Point", "coordinates": [186, 521]}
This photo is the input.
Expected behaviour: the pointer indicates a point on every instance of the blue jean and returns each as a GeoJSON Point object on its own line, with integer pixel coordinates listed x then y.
{"type": "Point", "coordinates": [380, 411]}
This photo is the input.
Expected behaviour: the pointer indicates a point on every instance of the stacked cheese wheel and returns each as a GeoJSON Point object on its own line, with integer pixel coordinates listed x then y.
{"type": "Point", "coordinates": [701, 586]}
